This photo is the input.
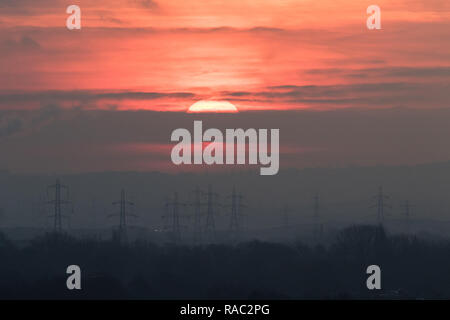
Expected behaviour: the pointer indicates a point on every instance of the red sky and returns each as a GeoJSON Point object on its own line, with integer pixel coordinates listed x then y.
{"type": "Point", "coordinates": [164, 55]}
{"type": "Point", "coordinates": [258, 54]}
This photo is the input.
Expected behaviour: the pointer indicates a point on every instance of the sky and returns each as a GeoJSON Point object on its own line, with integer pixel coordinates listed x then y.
{"type": "Point", "coordinates": [279, 62]}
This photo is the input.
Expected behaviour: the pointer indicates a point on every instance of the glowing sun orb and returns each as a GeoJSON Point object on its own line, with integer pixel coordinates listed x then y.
{"type": "Point", "coordinates": [212, 106]}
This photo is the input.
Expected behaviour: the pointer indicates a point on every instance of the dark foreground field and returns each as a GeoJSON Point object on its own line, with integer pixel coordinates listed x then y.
{"type": "Point", "coordinates": [410, 268]}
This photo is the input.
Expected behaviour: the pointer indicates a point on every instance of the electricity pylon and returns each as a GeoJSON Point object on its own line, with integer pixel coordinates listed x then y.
{"type": "Point", "coordinates": [407, 215]}
{"type": "Point", "coordinates": [197, 204]}
{"type": "Point", "coordinates": [380, 204]}
{"type": "Point", "coordinates": [176, 232]}
{"type": "Point", "coordinates": [318, 227]}
{"type": "Point", "coordinates": [123, 214]}
{"type": "Point", "coordinates": [172, 218]}
{"type": "Point", "coordinates": [211, 202]}
{"type": "Point", "coordinates": [58, 202]}
{"type": "Point", "coordinates": [165, 216]}
{"type": "Point", "coordinates": [235, 214]}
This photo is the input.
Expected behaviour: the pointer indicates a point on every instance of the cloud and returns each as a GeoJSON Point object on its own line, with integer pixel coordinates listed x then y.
{"type": "Point", "coordinates": [150, 4]}
{"type": "Point", "coordinates": [9, 125]}
{"type": "Point", "coordinates": [28, 7]}
{"type": "Point", "coordinates": [25, 43]}
{"type": "Point", "coordinates": [84, 98]}
{"type": "Point", "coordinates": [384, 94]}
{"type": "Point", "coordinates": [13, 122]}
{"type": "Point", "coordinates": [404, 72]}
{"type": "Point", "coordinates": [438, 6]}
{"type": "Point", "coordinates": [84, 95]}
{"type": "Point", "coordinates": [379, 94]}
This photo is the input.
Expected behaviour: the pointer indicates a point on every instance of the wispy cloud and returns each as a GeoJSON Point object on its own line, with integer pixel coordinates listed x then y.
{"type": "Point", "coordinates": [24, 43]}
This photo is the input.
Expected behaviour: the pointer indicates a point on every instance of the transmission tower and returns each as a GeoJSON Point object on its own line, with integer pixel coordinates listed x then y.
{"type": "Point", "coordinates": [235, 214]}
{"type": "Point", "coordinates": [57, 202]}
{"type": "Point", "coordinates": [380, 204]}
{"type": "Point", "coordinates": [123, 214]}
{"type": "Point", "coordinates": [243, 225]}
{"type": "Point", "coordinates": [176, 232]}
{"type": "Point", "coordinates": [172, 214]}
{"type": "Point", "coordinates": [234, 220]}
{"type": "Point", "coordinates": [211, 203]}
{"type": "Point", "coordinates": [318, 227]}
{"type": "Point", "coordinates": [165, 216]}
{"type": "Point", "coordinates": [197, 231]}
{"type": "Point", "coordinates": [407, 215]}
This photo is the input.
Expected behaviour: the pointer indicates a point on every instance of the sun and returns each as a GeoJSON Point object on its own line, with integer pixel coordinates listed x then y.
{"type": "Point", "coordinates": [212, 106]}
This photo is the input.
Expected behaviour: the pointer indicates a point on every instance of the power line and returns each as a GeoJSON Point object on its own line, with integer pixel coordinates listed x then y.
{"type": "Point", "coordinates": [318, 227]}
{"type": "Point", "coordinates": [165, 216]}
{"type": "Point", "coordinates": [381, 205]}
{"type": "Point", "coordinates": [123, 214]}
{"type": "Point", "coordinates": [407, 214]}
{"type": "Point", "coordinates": [57, 203]}
{"type": "Point", "coordinates": [211, 203]}
{"type": "Point", "coordinates": [235, 214]}
{"type": "Point", "coordinates": [174, 216]}
{"type": "Point", "coordinates": [197, 230]}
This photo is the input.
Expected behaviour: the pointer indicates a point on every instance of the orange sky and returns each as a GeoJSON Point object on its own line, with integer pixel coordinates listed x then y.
{"type": "Point", "coordinates": [258, 54]}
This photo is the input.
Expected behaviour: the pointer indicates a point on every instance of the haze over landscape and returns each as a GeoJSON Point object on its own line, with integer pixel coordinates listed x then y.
{"type": "Point", "coordinates": [364, 121]}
